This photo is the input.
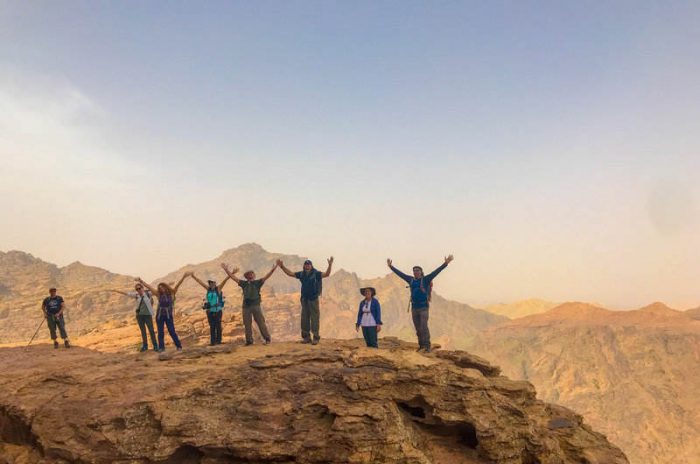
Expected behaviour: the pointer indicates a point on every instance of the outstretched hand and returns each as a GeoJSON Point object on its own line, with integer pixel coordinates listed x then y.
{"type": "Point", "coordinates": [448, 259]}
{"type": "Point", "coordinates": [279, 262]}
{"type": "Point", "coordinates": [330, 261]}
{"type": "Point", "coordinates": [389, 262]}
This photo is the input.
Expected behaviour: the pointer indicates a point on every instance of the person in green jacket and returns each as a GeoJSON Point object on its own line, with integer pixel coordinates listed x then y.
{"type": "Point", "coordinates": [251, 302]}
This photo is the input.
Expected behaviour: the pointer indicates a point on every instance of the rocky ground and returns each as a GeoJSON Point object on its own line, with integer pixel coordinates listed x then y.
{"type": "Point", "coordinates": [284, 403]}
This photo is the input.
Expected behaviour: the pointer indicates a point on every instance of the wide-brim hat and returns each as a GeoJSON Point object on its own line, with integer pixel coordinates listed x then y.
{"type": "Point", "coordinates": [374, 291]}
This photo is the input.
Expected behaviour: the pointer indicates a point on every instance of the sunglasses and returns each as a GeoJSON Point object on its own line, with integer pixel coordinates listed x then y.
{"type": "Point", "coordinates": [139, 288]}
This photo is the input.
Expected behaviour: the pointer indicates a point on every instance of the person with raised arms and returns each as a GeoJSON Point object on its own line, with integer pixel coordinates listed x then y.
{"type": "Point", "coordinates": [214, 305]}
{"type": "Point", "coordinates": [144, 313]}
{"type": "Point", "coordinates": [164, 313]}
{"type": "Point", "coordinates": [251, 302]}
{"type": "Point", "coordinates": [421, 288]}
{"type": "Point", "coordinates": [311, 289]}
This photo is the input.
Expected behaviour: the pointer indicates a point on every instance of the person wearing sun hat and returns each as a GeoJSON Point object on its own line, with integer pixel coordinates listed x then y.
{"type": "Point", "coordinates": [369, 317]}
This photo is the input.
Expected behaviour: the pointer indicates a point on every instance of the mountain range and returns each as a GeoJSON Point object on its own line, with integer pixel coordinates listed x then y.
{"type": "Point", "coordinates": [632, 374]}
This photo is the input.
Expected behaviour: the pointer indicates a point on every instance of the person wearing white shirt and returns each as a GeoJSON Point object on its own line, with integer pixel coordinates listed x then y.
{"type": "Point", "coordinates": [369, 317]}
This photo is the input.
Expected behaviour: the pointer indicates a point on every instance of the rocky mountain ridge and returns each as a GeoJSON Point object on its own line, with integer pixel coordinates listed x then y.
{"type": "Point", "coordinates": [632, 374]}
{"type": "Point", "coordinates": [625, 371]}
{"type": "Point", "coordinates": [338, 402]}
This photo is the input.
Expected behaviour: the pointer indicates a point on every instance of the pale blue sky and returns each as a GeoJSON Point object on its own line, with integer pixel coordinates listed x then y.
{"type": "Point", "coordinates": [551, 146]}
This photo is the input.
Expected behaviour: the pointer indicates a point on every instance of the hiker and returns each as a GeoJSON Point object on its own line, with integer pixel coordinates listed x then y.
{"type": "Point", "coordinates": [251, 302]}
{"type": "Point", "coordinates": [53, 312]}
{"type": "Point", "coordinates": [311, 288]}
{"type": "Point", "coordinates": [369, 317]}
{"type": "Point", "coordinates": [164, 313]}
{"type": "Point", "coordinates": [214, 305]}
{"type": "Point", "coordinates": [144, 314]}
{"type": "Point", "coordinates": [421, 289]}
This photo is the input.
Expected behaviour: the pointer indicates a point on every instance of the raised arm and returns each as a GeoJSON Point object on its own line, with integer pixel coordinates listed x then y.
{"type": "Point", "coordinates": [405, 277]}
{"type": "Point", "coordinates": [182, 279]}
{"type": "Point", "coordinates": [223, 282]}
{"type": "Point", "coordinates": [284, 268]}
{"type": "Point", "coordinates": [231, 273]}
{"type": "Point", "coordinates": [150, 289]}
{"type": "Point", "coordinates": [206, 287]}
{"type": "Point", "coordinates": [432, 275]}
{"type": "Point", "coordinates": [330, 265]}
{"type": "Point", "coordinates": [267, 276]}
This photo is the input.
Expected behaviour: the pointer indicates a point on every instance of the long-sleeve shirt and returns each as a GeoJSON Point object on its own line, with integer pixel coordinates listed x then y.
{"type": "Point", "coordinates": [369, 314]}
{"type": "Point", "coordinates": [420, 288]}
{"type": "Point", "coordinates": [143, 305]}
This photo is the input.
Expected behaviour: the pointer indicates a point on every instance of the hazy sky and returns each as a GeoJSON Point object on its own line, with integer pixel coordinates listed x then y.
{"type": "Point", "coordinates": [553, 147]}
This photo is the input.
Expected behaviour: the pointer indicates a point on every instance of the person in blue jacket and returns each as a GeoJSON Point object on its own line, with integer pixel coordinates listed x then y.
{"type": "Point", "coordinates": [369, 317]}
{"type": "Point", "coordinates": [421, 287]}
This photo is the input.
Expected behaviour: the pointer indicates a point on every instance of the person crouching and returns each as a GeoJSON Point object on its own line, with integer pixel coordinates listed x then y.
{"type": "Point", "coordinates": [369, 317]}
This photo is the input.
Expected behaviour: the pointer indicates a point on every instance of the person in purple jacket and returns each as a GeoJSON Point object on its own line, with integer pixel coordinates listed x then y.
{"type": "Point", "coordinates": [369, 317]}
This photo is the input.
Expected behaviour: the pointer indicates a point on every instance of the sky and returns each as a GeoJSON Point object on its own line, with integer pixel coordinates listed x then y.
{"type": "Point", "coordinates": [552, 147]}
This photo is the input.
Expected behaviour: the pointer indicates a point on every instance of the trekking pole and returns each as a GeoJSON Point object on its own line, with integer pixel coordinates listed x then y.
{"type": "Point", "coordinates": [37, 331]}
{"type": "Point", "coordinates": [408, 309]}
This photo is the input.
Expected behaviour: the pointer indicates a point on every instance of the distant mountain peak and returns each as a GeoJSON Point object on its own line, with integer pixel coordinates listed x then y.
{"type": "Point", "coordinates": [658, 307]}
{"type": "Point", "coordinates": [252, 246]}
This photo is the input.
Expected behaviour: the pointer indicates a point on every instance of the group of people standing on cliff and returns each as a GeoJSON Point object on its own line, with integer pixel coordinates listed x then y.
{"type": "Point", "coordinates": [368, 315]}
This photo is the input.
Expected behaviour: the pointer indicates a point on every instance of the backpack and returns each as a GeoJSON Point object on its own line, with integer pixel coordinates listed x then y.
{"type": "Point", "coordinates": [220, 299]}
{"type": "Point", "coordinates": [430, 293]}
{"type": "Point", "coordinates": [251, 292]}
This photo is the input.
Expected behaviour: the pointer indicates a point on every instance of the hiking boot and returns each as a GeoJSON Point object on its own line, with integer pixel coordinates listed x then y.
{"type": "Point", "coordinates": [66, 343]}
{"type": "Point", "coordinates": [248, 343]}
{"type": "Point", "coordinates": [55, 345]}
{"type": "Point", "coordinates": [427, 349]}
{"type": "Point", "coordinates": [305, 341]}
{"type": "Point", "coordinates": [420, 348]}
{"type": "Point", "coordinates": [267, 342]}
{"type": "Point", "coordinates": [179, 348]}
{"type": "Point", "coordinates": [143, 348]}
{"type": "Point", "coordinates": [315, 342]}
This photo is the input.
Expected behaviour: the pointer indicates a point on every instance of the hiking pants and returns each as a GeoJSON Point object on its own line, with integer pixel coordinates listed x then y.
{"type": "Point", "coordinates": [214, 326]}
{"type": "Point", "coordinates": [310, 318]}
{"type": "Point", "coordinates": [167, 321]}
{"type": "Point", "coordinates": [370, 334]}
{"type": "Point", "coordinates": [54, 322]}
{"type": "Point", "coordinates": [250, 313]}
{"type": "Point", "coordinates": [420, 322]}
{"type": "Point", "coordinates": [146, 321]}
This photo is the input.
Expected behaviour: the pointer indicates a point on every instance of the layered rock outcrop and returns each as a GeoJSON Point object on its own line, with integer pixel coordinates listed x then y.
{"type": "Point", "coordinates": [286, 403]}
